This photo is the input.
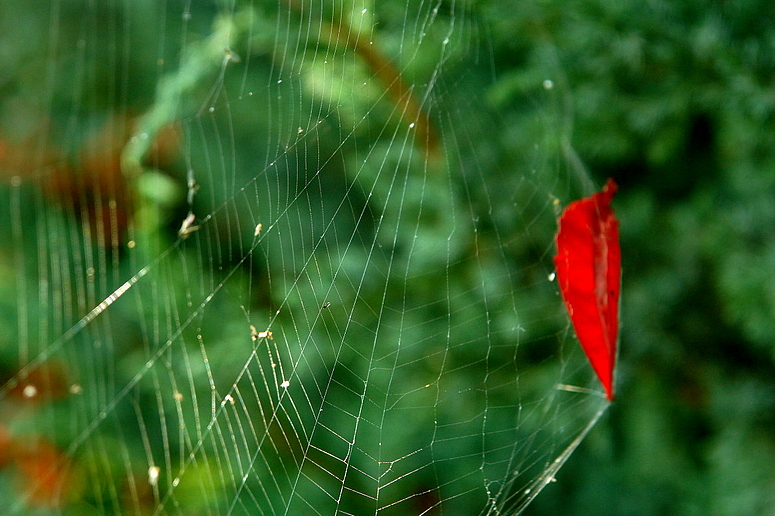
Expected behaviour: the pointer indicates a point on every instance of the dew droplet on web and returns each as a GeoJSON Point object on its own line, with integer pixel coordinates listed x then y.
{"type": "Point", "coordinates": [30, 391]}
{"type": "Point", "coordinates": [153, 475]}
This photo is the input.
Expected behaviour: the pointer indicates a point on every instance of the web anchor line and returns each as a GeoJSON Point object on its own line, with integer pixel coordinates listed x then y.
{"type": "Point", "coordinates": [76, 328]}
{"type": "Point", "coordinates": [548, 476]}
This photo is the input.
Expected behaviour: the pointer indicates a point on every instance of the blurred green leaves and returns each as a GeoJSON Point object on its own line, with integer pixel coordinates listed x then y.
{"type": "Point", "coordinates": [676, 100]}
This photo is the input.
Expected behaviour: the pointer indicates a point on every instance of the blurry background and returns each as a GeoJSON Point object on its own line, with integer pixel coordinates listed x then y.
{"type": "Point", "coordinates": [430, 141]}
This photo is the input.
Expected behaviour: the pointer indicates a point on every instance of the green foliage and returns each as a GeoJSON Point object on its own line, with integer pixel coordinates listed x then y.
{"type": "Point", "coordinates": [675, 100]}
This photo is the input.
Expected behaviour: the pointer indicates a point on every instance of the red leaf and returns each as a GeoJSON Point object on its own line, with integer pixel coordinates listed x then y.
{"type": "Point", "coordinates": [588, 265]}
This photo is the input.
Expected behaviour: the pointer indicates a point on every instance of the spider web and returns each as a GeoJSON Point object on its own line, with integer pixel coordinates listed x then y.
{"type": "Point", "coordinates": [282, 257]}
